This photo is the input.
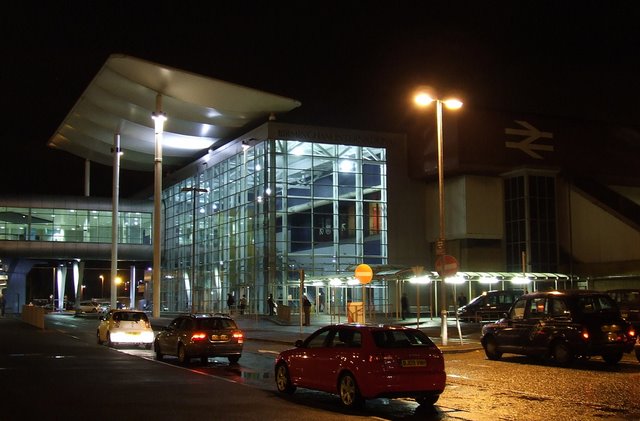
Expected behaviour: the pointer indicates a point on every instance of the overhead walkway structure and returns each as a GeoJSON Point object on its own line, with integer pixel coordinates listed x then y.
{"type": "Point", "coordinates": [36, 230]}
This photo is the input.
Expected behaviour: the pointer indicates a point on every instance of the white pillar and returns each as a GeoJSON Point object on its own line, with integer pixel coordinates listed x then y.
{"type": "Point", "coordinates": [61, 277]}
{"type": "Point", "coordinates": [114, 218]}
{"type": "Point", "coordinates": [159, 118]}
{"type": "Point", "coordinates": [132, 288]}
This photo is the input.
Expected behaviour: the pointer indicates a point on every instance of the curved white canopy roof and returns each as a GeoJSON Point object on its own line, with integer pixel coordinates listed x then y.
{"type": "Point", "coordinates": [120, 99]}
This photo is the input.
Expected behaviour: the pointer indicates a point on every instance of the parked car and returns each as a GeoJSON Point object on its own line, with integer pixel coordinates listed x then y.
{"type": "Point", "coordinates": [628, 301]}
{"type": "Point", "coordinates": [201, 336]}
{"type": "Point", "coordinates": [88, 307]}
{"type": "Point", "coordinates": [359, 362]}
{"type": "Point", "coordinates": [489, 306]}
{"type": "Point", "coordinates": [561, 325]}
{"type": "Point", "coordinates": [131, 327]}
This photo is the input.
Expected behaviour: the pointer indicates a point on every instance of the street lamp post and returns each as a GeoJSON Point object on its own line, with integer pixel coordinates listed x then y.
{"type": "Point", "coordinates": [423, 99]}
{"type": "Point", "coordinates": [101, 286]}
{"type": "Point", "coordinates": [194, 191]}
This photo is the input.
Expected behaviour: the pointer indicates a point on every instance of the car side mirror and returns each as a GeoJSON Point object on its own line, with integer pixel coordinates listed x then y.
{"type": "Point", "coordinates": [299, 343]}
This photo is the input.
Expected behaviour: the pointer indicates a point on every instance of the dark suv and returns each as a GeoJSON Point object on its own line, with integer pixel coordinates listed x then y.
{"type": "Point", "coordinates": [200, 336]}
{"type": "Point", "coordinates": [561, 325]}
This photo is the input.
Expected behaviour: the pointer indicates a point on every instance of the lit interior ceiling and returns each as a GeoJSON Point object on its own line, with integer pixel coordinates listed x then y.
{"type": "Point", "coordinates": [200, 112]}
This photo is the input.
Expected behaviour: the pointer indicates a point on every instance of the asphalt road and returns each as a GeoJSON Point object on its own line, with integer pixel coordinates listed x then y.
{"type": "Point", "coordinates": [61, 373]}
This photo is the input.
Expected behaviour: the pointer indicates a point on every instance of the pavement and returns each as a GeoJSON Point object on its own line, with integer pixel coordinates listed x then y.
{"type": "Point", "coordinates": [271, 329]}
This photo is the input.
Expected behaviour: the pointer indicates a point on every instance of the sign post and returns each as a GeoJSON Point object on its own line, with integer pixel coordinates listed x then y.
{"type": "Point", "coordinates": [445, 266]}
{"type": "Point", "coordinates": [364, 274]}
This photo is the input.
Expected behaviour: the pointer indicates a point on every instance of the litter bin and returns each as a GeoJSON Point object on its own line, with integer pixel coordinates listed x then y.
{"type": "Point", "coordinates": [355, 312]}
{"type": "Point", "coordinates": [284, 313]}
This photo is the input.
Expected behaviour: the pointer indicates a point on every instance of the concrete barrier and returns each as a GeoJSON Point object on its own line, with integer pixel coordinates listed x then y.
{"type": "Point", "coordinates": [33, 315]}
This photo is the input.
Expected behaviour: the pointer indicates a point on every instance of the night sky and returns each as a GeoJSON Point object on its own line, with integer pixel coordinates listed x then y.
{"type": "Point", "coordinates": [352, 64]}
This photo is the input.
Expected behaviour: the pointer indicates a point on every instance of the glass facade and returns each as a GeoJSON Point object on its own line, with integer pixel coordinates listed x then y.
{"type": "Point", "coordinates": [530, 217]}
{"type": "Point", "coordinates": [72, 225]}
{"type": "Point", "coordinates": [266, 215]}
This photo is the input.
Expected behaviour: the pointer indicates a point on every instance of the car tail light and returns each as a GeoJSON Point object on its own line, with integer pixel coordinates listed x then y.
{"type": "Point", "coordinates": [632, 331]}
{"type": "Point", "coordinates": [198, 336]}
{"type": "Point", "coordinates": [238, 336]}
{"type": "Point", "coordinates": [585, 333]}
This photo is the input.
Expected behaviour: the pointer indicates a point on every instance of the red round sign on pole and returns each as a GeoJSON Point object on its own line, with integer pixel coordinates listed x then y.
{"type": "Point", "coordinates": [364, 273]}
{"type": "Point", "coordinates": [446, 266]}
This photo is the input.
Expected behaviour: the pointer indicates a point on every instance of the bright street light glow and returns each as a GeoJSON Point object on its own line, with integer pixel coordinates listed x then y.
{"type": "Point", "coordinates": [423, 99]}
{"type": "Point", "coordinates": [452, 103]}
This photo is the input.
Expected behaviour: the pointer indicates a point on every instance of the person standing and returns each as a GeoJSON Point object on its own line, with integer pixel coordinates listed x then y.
{"type": "Point", "coordinates": [243, 304]}
{"type": "Point", "coordinates": [271, 304]}
{"type": "Point", "coordinates": [462, 300]}
{"type": "Point", "coordinates": [404, 303]}
{"type": "Point", "coordinates": [230, 302]}
{"type": "Point", "coordinates": [306, 304]}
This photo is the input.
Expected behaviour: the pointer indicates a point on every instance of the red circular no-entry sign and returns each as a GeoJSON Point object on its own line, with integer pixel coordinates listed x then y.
{"type": "Point", "coordinates": [446, 265]}
{"type": "Point", "coordinates": [364, 273]}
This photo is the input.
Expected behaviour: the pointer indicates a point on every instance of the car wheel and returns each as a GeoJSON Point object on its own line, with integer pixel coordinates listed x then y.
{"type": "Point", "coordinates": [491, 349]}
{"type": "Point", "coordinates": [204, 360]}
{"type": "Point", "coordinates": [147, 346]}
{"type": "Point", "coordinates": [612, 358]}
{"type": "Point", "coordinates": [348, 391]}
{"type": "Point", "coordinates": [428, 400]}
{"type": "Point", "coordinates": [109, 343]}
{"type": "Point", "coordinates": [183, 358]}
{"type": "Point", "coordinates": [156, 348]}
{"type": "Point", "coordinates": [561, 353]}
{"type": "Point", "coordinates": [98, 336]}
{"type": "Point", "coordinates": [283, 381]}
{"type": "Point", "coordinates": [233, 359]}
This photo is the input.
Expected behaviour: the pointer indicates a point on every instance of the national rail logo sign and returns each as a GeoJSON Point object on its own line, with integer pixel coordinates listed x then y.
{"type": "Point", "coordinates": [528, 145]}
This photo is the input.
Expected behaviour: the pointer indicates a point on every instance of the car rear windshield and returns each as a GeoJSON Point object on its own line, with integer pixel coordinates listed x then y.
{"type": "Point", "coordinates": [400, 338]}
{"type": "Point", "coordinates": [596, 304]}
{"type": "Point", "coordinates": [130, 316]}
{"type": "Point", "coordinates": [215, 324]}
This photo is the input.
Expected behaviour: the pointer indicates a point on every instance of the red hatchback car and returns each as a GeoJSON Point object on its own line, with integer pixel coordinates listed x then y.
{"type": "Point", "coordinates": [360, 362]}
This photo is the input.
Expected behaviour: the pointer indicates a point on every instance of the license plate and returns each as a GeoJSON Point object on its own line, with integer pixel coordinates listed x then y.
{"type": "Point", "coordinates": [222, 337]}
{"type": "Point", "coordinates": [133, 333]}
{"type": "Point", "coordinates": [414, 363]}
